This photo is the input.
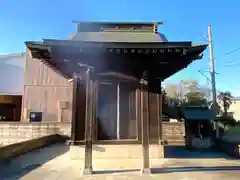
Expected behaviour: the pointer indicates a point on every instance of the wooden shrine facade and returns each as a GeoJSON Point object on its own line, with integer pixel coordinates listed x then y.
{"type": "Point", "coordinates": [116, 83]}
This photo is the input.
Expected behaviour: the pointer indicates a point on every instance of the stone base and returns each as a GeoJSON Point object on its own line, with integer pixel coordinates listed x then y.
{"type": "Point", "coordinates": [88, 171]}
{"type": "Point", "coordinates": [117, 157]}
{"type": "Point", "coordinates": [146, 171]}
{"type": "Point", "coordinates": [204, 143]}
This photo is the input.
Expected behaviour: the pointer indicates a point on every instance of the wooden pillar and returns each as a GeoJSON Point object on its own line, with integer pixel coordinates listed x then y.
{"type": "Point", "coordinates": [139, 114]}
{"type": "Point", "coordinates": [76, 80]}
{"type": "Point", "coordinates": [94, 113]}
{"type": "Point", "coordinates": [155, 110]}
{"type": "Point", "coordinates": [160, 125]}
{"type": "Point", "coordinates": [88, 124]}
{"type": "Point", "coordinates": [145, 129]}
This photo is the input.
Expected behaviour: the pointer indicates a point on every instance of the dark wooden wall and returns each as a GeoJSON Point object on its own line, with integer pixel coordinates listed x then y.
{"type": "Point", "coordinates": [155, 117]}
{"type": "Point", "coordinates": [16, 102]}
{"type": "Point", "coordinates": [107, 94]}
{"type": "Point", "coordinates": [130, 125]}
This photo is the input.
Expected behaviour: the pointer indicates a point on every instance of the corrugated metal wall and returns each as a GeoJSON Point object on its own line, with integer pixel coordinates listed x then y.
{"type": "Point", "coordinates": [43, 88]}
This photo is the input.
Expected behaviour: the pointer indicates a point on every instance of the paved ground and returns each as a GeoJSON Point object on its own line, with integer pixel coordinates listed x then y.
{"type": "Point", "coordinates": [53, 163]}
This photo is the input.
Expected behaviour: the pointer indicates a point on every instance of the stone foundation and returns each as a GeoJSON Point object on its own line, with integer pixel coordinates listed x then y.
{"type": "Point", "coordinates": [115, 157]}
{"type": "Point", "coordinates": [231, 148]}
{"type": "Point", "coordinates": [204, 143]}
{"type": "Point", "coordinates": [14, 132]}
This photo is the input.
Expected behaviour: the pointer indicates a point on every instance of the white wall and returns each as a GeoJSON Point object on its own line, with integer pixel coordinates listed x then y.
{"type": "Point", "coordinates": [11, 74]}
{"type": "Point", "coordinates": [235, 109]}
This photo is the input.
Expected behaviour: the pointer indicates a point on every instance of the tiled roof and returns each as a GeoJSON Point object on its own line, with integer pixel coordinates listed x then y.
{"type": "Point", "coordinates": [118, 37]}
{"type": "Point", "coordinates": [198, 113]}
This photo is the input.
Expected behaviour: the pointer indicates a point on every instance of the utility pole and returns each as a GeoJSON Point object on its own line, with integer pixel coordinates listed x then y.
{"type": "Point", "coordinates": [212, 73]}
{"type": "Point", "coordinates": [212, 70]}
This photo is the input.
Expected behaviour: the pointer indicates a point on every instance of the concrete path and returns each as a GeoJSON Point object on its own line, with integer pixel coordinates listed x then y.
{"type": "Point", "coordinates": [53, 163]}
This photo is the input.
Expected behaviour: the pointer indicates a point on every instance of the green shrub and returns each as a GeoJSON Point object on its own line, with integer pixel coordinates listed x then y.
{"type": "Point", "coordinates": [227, 120]}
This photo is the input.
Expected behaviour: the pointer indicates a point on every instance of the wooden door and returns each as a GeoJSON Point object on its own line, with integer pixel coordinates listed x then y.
{"type": "Point", "coordinates": [116, 111]}
{"type": "Point", "coordinates": [128, 121]}
{"type": "Point", "coordinates": [106, 111]}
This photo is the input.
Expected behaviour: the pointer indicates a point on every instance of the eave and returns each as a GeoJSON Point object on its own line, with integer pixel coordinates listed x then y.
{"type": "Point", "coordinates": [187, 52]}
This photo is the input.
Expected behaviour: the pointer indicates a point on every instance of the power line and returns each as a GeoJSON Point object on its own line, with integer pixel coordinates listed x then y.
{"type": "Point", "coordinates": [228, 53]}
{"type": "Point", "coordinates": [233, 51]}
{"type": "Point", "coordinates": [207, 78]}
{"type": "Point", "coordinates": [226, 65]}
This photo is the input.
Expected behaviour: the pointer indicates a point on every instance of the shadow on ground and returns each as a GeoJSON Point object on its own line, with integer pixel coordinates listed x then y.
{"type": "Point", "coordinates": [181, 152]}
{"type": "Point", "coordinates": [22, 165]}
{"type": "Point", "coordinates": [18, 167]}
{"type": "Point", "coordinates": [176, 169]}
{"type": "Point", "coordinates": [195, 169]}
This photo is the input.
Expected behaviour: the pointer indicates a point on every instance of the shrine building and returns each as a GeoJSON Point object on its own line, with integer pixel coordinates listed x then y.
{"type": "Point", "coordinates": [105, 81]}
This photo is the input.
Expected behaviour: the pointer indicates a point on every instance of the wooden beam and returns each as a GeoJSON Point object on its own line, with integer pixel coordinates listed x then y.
{"type": "Point", "coordinates": [145, 129]}
{"type": "Point", "coordinates": [88, 124]}
{"type": "Point", "coordinates": [74, 110]}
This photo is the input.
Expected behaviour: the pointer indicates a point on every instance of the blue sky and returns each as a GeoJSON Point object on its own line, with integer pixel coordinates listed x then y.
{"type": "Point", "coordinates": [183, 20]}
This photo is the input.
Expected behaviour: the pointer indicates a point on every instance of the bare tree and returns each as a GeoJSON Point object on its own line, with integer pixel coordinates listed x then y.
{"type": "Point", "coordinates": [188, 92]}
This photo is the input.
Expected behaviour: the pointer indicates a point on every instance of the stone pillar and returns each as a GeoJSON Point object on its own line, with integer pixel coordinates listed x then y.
{"type": "Point", "coordinates": [145, 128]}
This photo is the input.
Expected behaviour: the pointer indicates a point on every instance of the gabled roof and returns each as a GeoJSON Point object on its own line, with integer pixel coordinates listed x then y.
{"type": "Point", "coordinates": [132, 39]}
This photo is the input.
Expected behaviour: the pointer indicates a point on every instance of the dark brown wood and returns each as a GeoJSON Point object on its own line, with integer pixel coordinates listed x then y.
{"type": "Point", "coordinates": [81, 105]}
{"type": "Point", "coordinates": [145, 128]}
{"type": "Point", "coordinates": [128, 123]}
{"type": "Point", "coordinates": [115, 45]}
{"type": "Point", "coordinates": [154, 110]}
{"type": "Point", "coordinates": [74, 110]}
{"type": "Point", "coordinates": [11, 107]}
{"type": "Point", "coordinates": [138, 114]}
{"type": "Point", "coordinates": [94, 113]}
{"type": "Point", "coordinates": [107, 95]}
{"type": "Point", "coordinates": [153, 117]}
{"type": "Point", "coordinates": [88, 125]}
{"type": "Point", "coordinates": [160, 121]}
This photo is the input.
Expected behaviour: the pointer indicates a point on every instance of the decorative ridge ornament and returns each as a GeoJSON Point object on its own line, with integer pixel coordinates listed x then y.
{"type": "Point", "coordinates": [146, 50]}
